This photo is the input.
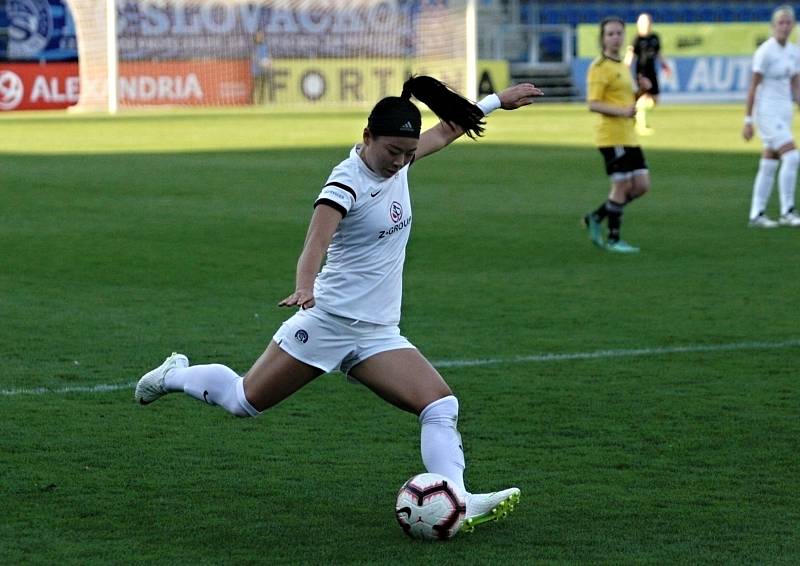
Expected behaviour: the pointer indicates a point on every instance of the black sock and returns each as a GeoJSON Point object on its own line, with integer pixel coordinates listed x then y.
{"type": "Point", "coordinates": [614, 213]}
{"type": "Point", "coordinates": [600, 213]}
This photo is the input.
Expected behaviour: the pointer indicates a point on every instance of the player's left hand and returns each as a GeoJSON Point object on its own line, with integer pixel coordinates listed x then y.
{"type": "Point", "coordinates": [518, 95]}
{"type": "Point", "coordinates": [747, 132]}
{"type": "Point", "coordinates": [303, 298]}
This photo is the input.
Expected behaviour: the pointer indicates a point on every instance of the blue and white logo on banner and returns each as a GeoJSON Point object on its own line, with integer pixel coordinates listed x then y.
{"type": "Point", "coordinates": [40, 30]}
{"type": "Point", "coordinates": [30, 26]}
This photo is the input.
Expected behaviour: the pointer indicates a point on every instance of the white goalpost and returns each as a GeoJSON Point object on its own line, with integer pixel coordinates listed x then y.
{"type": "Point", "coordinates": [280, 54]}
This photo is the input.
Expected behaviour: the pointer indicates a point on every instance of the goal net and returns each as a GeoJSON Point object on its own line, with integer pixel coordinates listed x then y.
{"type": "Point", "coordinates": [274, 53]}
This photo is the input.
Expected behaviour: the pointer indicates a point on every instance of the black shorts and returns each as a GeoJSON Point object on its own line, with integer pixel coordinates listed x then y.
{"type": "Point", "coordinates": [623, 160]}
{"type": "Point", "coordinates": [653, 90]}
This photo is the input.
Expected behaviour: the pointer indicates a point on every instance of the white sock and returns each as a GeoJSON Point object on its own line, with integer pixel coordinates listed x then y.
{"type": "Point", "coordinates": [762, 187]}
{"type": "Point", "coordinates": [214, 384]}
{"type": "Point", "coordinates": [787, 179]}
{"type": "Point", "coordinates": [440, 441]}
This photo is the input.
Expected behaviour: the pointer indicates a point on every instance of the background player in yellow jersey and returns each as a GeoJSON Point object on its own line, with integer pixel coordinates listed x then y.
{"type": "Point", "coordinates": [610, 93]}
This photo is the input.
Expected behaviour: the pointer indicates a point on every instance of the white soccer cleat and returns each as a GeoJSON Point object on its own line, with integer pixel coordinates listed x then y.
{"type": "Point", "coordinates": [484, 507]}
{"type": "Point", "coordinates": [151, 385]}
{"type": "Point", "coordinates": [762, 221]}
{"type": "Point", "coordinates": [789, 219]}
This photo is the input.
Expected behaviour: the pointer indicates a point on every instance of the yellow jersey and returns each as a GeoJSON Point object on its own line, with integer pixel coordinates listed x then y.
{"type": "Point", "coordinates": [610, 81]}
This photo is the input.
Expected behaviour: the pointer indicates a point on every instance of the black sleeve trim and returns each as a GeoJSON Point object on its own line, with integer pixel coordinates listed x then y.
{"type": "Point", "coordinates": [334, 205]}
{"type": "Point", "coordinates": [343, 187]}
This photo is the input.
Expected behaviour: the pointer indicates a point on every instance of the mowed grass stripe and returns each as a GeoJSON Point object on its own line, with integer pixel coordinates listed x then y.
{"type": "Point", "coordinates": [124, 239]}
{"type": "Point", "coordinates": [534, 358]}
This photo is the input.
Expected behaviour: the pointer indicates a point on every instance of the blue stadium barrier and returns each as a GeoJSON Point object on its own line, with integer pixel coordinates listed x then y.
{"type": "Point", "coordinates": [573, 13]}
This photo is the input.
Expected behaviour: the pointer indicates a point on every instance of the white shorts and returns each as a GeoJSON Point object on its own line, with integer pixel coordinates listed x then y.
{"type": "Point", "coordinates": [331, 342]}
{"type": "Point", "coordinates": [775, 130]}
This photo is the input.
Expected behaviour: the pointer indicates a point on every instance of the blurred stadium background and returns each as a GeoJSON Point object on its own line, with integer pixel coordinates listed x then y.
{"type": "Point", "coordinates": [57, 53]}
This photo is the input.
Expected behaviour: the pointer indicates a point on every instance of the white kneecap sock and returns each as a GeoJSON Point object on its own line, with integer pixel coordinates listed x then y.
{"type": "Point", "coordinates": [440, 441]}
{"type": "Point", "coordinates": [787, 179]}
{"type": "Point", "coordinates": [214, 384]}
{"type": "Point", "coordinates": [762, 187]}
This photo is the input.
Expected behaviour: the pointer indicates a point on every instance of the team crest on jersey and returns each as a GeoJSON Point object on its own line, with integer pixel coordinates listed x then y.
{"type": "Point", "coordinates": [396, 211]}
{"type": "Point", "coordinates": [301, 336]}
{"type": "Point", "coordinates": [396, 214]}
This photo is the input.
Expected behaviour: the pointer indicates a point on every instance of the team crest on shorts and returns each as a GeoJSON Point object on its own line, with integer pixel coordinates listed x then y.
{"type": "Point", "coordinates": [301, 336]}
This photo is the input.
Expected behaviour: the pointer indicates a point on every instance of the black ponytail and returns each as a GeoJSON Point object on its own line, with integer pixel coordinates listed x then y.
{"type": "Point", "coordinates": [447, 104]}
{"type": "Point", "coordinates": [398, 116]}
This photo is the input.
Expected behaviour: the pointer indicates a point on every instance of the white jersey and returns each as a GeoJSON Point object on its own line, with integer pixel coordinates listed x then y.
{"type": "Point", "coordinates": [777, 64]}
{"type": "Point", "coordinates": [362, 278]}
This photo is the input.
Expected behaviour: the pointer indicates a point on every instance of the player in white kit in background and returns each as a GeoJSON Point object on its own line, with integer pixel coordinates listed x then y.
{"type": "Point", "coordinates": [774, 86]}
{"type": "Point", "coordinates": [350, 310]}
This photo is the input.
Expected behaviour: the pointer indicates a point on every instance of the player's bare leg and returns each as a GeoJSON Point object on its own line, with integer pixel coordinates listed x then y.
{"type": "Point", "coordinates": [644, 104]}
{"type": "Point", "coordinates": [402, 377]}
{"type": "Point", "coordinates": [275, 376]}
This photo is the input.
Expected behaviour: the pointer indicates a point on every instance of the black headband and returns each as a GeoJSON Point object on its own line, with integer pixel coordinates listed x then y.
{"type": "Point", "coordinates": [398, 121]}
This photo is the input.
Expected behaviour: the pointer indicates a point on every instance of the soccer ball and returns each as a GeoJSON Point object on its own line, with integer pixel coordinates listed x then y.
{"type": "Point", "coordinates": [429, 507]}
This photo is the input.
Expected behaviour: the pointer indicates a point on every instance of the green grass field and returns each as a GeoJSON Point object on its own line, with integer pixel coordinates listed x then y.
{"type": "Point", "coordinates": [665, 432]}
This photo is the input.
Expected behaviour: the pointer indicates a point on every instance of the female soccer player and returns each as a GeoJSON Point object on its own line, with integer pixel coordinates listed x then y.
{"type": "Point", "coordinates": [350, 310]}
{"type": "Point", "coordinates": [610, 94]}
{"type": "Point", "coordinates": [773, 86]}
{"type": "Point", "coordinates": [646, 50]}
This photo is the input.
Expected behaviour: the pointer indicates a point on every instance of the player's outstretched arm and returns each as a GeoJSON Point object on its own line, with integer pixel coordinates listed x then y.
{"type": "Point", "coordinates": [629, 56]}
{"type": "Point", "coordinates": [443, 134]}
{"type": "Point", "coordinates": [747, 127]}
{"type": "Point", "coordinates": [323, 224]}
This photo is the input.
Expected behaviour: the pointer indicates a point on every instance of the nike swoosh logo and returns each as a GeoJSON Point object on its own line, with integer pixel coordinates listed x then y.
{"type": "Point", "coordinates": [376, 193]}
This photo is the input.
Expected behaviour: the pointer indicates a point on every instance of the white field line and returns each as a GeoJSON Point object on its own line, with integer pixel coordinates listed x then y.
{"type": "Point", "coordinates": [103, 388]}
{"type": "Point", "coordinates": [534, 358]}
{"type": "Point", "coordinates": [598, 354]}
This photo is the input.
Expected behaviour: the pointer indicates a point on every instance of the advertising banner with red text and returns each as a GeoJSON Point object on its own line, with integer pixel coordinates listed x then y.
{"type": "Point", "coordinates": [200, 83]}
{"type": "Point", "coordinates": [31, 86]}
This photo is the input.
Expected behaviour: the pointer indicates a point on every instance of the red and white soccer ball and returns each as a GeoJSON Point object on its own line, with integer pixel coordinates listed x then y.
{"type": "Point", "coordinates": [430, 507]}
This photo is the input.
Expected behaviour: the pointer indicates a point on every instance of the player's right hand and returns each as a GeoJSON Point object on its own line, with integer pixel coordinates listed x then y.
{"type": "Point", "coordinates": [518, 95]}
{"type": "Point", "coordinates": [301, 298]}
{"type": "Point", "coordinates": [747, 132]}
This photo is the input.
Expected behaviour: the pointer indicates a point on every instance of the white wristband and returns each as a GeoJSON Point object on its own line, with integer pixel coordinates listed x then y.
{"type": "Point", "coordinates": [748, 120]}
{"type": "Point", "coordinates": [489, 104]}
